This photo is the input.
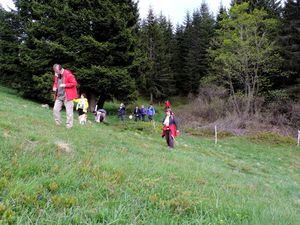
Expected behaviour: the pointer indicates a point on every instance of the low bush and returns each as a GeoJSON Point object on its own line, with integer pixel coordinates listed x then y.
{"type": "Point", "coordinates": [213, 106]}
{"type": "Point", "coordinates": [273, 138]}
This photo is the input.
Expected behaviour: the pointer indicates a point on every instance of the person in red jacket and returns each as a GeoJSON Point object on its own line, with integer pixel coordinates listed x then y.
{"type": "Point", "coordinates": [170, 128]}
{"type": "Point", "coordinates": [167, 104]}
{"type": "Point", "coordinates": [65, 91]}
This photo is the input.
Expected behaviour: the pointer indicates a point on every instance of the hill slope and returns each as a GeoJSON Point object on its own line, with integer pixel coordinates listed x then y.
{"type": "Point", "coordinates": [124, 174]}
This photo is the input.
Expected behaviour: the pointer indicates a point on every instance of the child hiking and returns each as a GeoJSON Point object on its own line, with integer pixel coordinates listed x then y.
{"type": "Point", "coordinates": [81, 107]}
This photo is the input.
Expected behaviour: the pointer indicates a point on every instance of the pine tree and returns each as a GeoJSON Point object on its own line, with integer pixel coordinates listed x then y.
{"type": "Point", "coordinates": [95, 39]}
{"type": "Point", "coordinates": [190, 53]}
{"type": "Point", "coordinates": [290, 39]}
{"type": "Point", "coordinates": [178, 58]}
{"type": "Point", "coordinates": [157, 38]}
{"type": "Point", "coordinates": [273, 7]}
{"type": "Point", "coordinates": [197, 63]}
{"type": "Point", "coordinates": [9, 48]}
{"type": "Point", "coordinates": [183, 45]}
{"type": "Point", "coordinates": [221, 13]}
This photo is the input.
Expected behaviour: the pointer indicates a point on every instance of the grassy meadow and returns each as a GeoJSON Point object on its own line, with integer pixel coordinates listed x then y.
{"type": "Point", "coordinates": [123, 173]}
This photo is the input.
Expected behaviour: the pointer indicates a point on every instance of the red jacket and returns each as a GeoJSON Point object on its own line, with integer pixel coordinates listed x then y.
{"type": "Point", "coordinates": [167, 104]}
{"type": "Point", "coordinates": [70, 82]}
{"type": "Point", "coordinates": [173, 126]}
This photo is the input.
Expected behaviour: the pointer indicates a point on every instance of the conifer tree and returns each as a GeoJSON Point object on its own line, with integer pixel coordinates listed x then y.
{"type": "Point", "coordinates": [183, 45]}
{"type": "Point", "coordinates": [290, 39]}
{"type": "Point", "coordinates": [197, 63]}
{"type": "Point", "coordinates": [221, 13]}
{"type": "Point", "coordinates": [156, 42]}
{"type": "Point", "coordinates": [9, 47]}
{"type": "Point", "coordinates": [273, 7]}
{"type": "Point", "coordinates": [95, 39]}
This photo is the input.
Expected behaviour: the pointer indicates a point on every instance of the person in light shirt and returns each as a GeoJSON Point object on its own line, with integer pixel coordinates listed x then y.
{"type": "Point", "coordinates": [170, 128]}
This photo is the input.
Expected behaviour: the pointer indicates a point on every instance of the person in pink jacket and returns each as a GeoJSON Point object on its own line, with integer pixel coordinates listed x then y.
{"type": "Point", "coordinates": [65, 88]}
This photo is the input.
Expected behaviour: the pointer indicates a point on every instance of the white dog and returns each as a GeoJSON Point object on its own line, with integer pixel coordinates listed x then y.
{"type": "Point", "coordinates": [45, 106]}
{"type": "Point", "coordinates": [82, 119]}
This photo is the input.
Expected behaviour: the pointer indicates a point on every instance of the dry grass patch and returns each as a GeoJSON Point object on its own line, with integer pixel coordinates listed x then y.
{"type": "Point", "coordinates": [63, 147]}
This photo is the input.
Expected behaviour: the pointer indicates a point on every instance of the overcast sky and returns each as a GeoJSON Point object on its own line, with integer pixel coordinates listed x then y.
{"type": "Point", "coordinates": [173, 9]}
{"type": "Point", "coordinates": [176, 9]}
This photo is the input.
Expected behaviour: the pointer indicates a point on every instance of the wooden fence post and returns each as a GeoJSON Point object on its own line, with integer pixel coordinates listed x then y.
{"type": "Point", "coordinates": [216, 135]}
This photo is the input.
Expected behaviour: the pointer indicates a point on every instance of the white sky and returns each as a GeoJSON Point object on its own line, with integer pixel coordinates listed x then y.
{"type": "Point", "coordinates": [176, 9]}
{"type": "Point", "coordinates": [173, 9]}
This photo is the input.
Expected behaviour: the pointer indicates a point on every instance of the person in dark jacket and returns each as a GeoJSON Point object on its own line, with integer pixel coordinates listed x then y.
{"type": "Point", "coordinates": [137, 113]}
{"type": "Point", "coordinates": [170, 128]}
{"type": "Point", "coordinates": [122, 112]}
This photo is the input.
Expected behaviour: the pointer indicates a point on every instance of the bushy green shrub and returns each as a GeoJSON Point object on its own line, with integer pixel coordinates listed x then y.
{"type": "Point", "coordinates": [273, 138]}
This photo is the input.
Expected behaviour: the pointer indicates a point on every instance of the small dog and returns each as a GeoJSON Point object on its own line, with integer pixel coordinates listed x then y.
{"type": "Point", "coordinates": [82, 119]}
{"type": "Point", "coordinates": [45, 106]}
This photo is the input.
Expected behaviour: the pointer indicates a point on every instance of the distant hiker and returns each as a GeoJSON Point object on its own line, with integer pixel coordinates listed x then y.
{"type": "Point", "coordinates": [143, 112]}
{"type": "Point", "coordinates": [167, 104]}
{"type": "Point", "coordinates": [170, 128]}
{"type": "Point", "coordinates": [65, 92]}
{"type": "Point", "coordinates": [151, 112]}
{"type": "Point", "coordinates": [122, 112]}
{"type": "Point", "coordinates": [137, 113]}
{"type": "Point", "coordinates": [81, 107]}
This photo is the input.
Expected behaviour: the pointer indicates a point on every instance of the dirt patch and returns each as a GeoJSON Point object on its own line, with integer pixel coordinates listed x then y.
{"type": "Point", "coordinates": [63, 147]}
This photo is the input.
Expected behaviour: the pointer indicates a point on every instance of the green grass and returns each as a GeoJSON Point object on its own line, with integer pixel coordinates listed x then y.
{"type": "Point", "coordinates": [119, 173]}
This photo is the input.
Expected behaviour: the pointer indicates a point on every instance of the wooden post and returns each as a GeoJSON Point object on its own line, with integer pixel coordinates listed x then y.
{"type": "Point", "coordinates": [298, 138]}
{"type": "Point", "coordinates": [216, 135]}
{"type": "Point", "coordinates": [153, 124]}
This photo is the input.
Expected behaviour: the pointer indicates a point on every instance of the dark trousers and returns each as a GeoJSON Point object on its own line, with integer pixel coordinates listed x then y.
{"type": "Point", "coordinates": [169, 138]}
{"type": "Point", "coordinates": [143, 117]}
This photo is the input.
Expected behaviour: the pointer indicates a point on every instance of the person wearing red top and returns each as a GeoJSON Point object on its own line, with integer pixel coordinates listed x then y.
{"type": "Point", "coordinates": [65, 88]}
{"type": "Point", "coordinates": [170, 128]}
{"type": "Point", "coordinates": [167, 104]}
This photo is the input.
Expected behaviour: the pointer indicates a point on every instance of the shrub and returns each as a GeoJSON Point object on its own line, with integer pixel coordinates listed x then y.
{"type": "Point", "coordinates": [273, 138]}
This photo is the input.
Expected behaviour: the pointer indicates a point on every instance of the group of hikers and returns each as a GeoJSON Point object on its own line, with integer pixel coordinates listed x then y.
{"type": "Point", "coordinates": [65, 94]}
{"type": "Point", "coordinates": [138, 113]}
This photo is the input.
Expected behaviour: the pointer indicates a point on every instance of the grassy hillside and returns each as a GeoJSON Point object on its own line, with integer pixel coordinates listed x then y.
{"type": "Point", "coordinates": [124, 174]}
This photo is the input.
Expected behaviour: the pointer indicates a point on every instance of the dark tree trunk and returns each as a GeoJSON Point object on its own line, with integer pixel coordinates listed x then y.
{"type": "Point", "coordinates": [101, 101]}
{"type": "Point", "coordinates": [92, 102]}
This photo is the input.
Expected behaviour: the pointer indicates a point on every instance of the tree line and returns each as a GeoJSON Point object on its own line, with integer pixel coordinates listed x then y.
{"type": "Point", "coordinates": [252, 49]}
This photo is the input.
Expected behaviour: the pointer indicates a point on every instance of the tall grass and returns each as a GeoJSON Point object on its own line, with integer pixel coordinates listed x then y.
{"type": "Point", "coordinates": [123, 173]}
